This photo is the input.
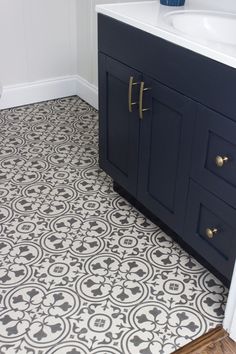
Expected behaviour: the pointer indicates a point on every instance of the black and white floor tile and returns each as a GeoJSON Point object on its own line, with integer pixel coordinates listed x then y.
{"type": "Point", "coordinates": [81, 270]}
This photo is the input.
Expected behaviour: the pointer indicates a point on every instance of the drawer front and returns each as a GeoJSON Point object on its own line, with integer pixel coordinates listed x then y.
{"type": "Point", "coordinates": [214, 154]}
{"type": "Point", "coordinates": [210, 229]}
{"type": "Point", "coordinates": [205, 80]}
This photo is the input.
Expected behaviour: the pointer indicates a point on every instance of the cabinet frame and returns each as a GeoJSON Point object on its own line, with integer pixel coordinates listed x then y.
{"type": "Point", "coordinates": [204, 81]}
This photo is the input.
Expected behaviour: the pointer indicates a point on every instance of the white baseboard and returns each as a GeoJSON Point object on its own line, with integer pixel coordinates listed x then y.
{"type": "Point", "coordinates": [22, 94]}
{"type": "Point", "coordinates": [87, 92]}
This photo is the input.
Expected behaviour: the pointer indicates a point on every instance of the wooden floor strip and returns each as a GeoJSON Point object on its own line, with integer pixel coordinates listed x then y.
{"type": "Point", "coordinates": [216, 341]}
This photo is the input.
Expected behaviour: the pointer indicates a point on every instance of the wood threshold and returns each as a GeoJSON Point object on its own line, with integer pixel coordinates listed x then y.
{"type": "Point", "coordinates": [216, 341]}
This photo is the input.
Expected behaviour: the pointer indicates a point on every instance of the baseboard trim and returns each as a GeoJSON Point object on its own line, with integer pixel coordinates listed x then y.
{"type": "Point", "coordinates": [87, 92]}
{"type": "Point", "coordinates": [44, 90]}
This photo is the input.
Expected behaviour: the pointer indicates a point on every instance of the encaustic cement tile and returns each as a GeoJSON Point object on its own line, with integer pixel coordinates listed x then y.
{"type": "Point", "coordinates": [81, 270]}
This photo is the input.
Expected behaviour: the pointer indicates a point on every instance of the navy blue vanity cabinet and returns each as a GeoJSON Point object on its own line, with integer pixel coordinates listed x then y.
{"type": "Point", "coordinates": [118, 127]}
{"type": "Point", "coordinates": [174, 150]}
{"type": "Point", "coordinates": [164, 162]}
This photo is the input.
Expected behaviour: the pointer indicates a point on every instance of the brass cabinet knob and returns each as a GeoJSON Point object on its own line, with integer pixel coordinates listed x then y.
{"type": "Point", "coordinates": [221, 160]}
{"type": "Point", "coordinates": [211, 232]}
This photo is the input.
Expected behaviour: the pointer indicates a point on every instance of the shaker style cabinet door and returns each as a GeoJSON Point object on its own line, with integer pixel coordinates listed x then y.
{"type": "Point", "coordinates": [165, 151]}
{"type": "Point", "coordinates": [118, 121]}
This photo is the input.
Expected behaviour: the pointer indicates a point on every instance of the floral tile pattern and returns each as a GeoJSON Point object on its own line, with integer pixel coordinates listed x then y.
{"type": "Point", "coordinates": [81, 270]}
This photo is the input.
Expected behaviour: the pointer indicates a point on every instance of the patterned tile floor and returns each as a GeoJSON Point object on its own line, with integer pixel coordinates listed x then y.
{"type": "Point", "coordinates": [81, 270]}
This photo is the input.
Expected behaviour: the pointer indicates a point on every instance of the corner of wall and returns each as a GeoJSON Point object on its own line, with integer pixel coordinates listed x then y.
{"type": "Point", "coordinates": [87, 91]}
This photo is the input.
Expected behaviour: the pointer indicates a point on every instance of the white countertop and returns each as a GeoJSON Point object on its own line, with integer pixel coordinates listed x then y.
{"type": "Point", "coordinates": [148, 16]}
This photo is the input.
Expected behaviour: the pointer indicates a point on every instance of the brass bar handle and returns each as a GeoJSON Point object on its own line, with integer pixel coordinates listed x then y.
{"type": "Point", "coordinates": [221, 160]}
{"type": "Point", "coordinates": [210, 233]}
{"type": "Point", "coordinates": [141, 109]}
{"type": "Point", "coordinates": [130, 103]}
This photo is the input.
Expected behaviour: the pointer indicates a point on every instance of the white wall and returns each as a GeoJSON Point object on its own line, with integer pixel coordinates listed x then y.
{"type": "Point", "coordinates": [38, 49]}
{"type": "Point", "coordinates": [38, 40]}
{"type": "Point", "coordinates": [87, 37]}
{"type": "Point", "coordinates": [48, 49]}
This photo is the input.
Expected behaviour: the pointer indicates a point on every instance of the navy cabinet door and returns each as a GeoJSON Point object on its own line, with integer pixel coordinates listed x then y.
{"type": "Point", "coordinates": [118, 128]}
{"type": "Point", "coordinates": [165, 152]}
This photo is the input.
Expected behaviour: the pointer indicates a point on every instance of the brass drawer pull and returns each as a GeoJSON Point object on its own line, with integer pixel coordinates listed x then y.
{"type": "Point", "coordinates": [141, 109]}
{"type": "Point", "coordinates": [211, 232]}
{"type": "Point", "coordinates": [220, 161]}
{"type": "Point", "coordinates": [131, 84]}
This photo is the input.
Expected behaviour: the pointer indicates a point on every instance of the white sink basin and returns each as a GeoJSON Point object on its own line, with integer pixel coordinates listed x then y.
{"type": "Point", "coordinates": [214, 26]}
{"type": "Point", "coordinates": [207, 27]}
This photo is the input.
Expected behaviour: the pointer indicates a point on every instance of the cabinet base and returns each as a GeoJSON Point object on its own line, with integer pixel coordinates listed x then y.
{"type": "Point", "coordinates": [122, 192]}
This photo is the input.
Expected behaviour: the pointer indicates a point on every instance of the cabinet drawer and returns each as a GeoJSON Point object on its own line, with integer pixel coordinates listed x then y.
{"type": "Point", "coordinates": [211, 229]}
{"type": "Point", "coordinates": [214, 154]}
